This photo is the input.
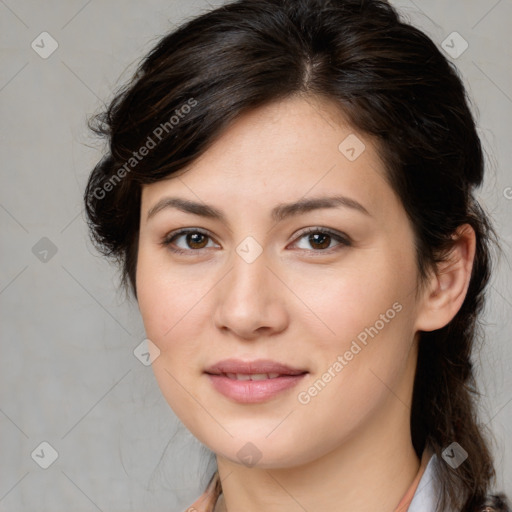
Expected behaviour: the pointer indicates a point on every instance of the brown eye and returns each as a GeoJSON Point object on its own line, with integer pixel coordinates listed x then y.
{"type": "Point", "coordinates": [193, 240]}
{"type": "Point", "coordinates": [320, 240]}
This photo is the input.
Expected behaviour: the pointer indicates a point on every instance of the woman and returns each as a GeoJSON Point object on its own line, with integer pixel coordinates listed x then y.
{"type": "Point", "coordinates": [289, 190]}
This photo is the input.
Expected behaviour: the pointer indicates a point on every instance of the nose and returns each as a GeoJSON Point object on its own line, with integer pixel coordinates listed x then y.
{"type": "Point", "coordinates": [251, 300]}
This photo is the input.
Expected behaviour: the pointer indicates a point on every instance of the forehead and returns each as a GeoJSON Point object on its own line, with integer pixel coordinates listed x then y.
{"type": "Point", "coordinates": [281, 152]}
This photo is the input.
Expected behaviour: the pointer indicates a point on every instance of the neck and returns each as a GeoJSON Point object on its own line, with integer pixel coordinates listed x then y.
{"type": "Point", "coordinates": [370, 471]}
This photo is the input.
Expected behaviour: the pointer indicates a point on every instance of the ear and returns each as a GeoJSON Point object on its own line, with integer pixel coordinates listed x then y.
{"type": "Point", "coordinates": [448, 285]}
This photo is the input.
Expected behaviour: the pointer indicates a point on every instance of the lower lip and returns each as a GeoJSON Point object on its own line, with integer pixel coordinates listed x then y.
{"type": "Point", "coordinates": [253, 391]}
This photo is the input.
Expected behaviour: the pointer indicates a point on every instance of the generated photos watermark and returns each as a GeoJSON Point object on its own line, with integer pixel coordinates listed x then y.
{"type": "Point", "coordinates": [157, 135]}
{"type": "Point", "coordinates": [305, 397]}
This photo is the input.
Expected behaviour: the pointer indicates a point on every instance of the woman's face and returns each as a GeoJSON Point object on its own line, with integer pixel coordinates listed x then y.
{"type": "Point", "coordinates": [317, 328]}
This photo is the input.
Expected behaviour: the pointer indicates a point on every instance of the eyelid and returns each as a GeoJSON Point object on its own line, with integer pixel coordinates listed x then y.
{"type": "Point", "coordinates": [342, 238]}
{"type": "Point", "coordinates": [166, 241]}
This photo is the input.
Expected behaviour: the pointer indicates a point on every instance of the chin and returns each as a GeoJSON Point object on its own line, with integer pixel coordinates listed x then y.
{"type": "Point", "coordinates": [259, 451]}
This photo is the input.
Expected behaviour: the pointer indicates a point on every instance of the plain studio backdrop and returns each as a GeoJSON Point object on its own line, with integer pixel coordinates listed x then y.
{"type": "Point", "coordinates": [74, 397]}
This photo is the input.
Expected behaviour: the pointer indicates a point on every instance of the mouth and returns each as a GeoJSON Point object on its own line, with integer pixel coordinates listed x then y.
{"type": "Point", "coordinates": [252, 376]}
{"type": "Point", "coordinates": [253, 381]}
{"type": "Point", "coordinates": [256, 368]}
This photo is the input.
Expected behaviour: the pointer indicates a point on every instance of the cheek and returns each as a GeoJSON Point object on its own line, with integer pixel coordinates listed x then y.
{"type": "Point", "coordinates": [365, 293]}
{"type": "Point", "coordinates": [170, 321]}
{"type": "Point", "coordinates": [369, 311]}
{"type": "Point", "coordinates": [169, 298]}
{"type": "Point", "coordinates": [368, 355]}
{"type": "Point", "coordinates": [370, 334]}
{"type": "Point", "coordinates": [173, 302]}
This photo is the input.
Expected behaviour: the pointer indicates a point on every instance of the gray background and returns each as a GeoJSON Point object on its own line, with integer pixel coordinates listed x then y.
{"type": "Point", "coordinates": [68, 373]}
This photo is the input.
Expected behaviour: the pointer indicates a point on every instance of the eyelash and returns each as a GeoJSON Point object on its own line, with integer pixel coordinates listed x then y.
{"type": "Point", "coordinates": [342, 239]}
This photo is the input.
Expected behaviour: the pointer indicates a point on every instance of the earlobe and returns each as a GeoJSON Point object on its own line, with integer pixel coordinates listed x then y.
{"type": "Point", "coordinates": [448, 285]}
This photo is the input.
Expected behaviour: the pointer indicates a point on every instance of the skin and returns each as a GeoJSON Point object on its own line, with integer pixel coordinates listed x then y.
{"type": "Point", "coordinates": [350, 447]}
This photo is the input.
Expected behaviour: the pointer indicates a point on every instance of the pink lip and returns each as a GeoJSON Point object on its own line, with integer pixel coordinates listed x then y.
{"type": "Point", "coordinates": [256, 366]}
{"type": "Point", "coordinates": [252, 391]}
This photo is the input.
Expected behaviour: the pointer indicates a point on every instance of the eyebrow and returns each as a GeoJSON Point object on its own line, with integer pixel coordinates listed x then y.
{"type": "Point", "coordinates": [278, 213]}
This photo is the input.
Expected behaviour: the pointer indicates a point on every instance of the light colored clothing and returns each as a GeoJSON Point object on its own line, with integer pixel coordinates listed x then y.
{"type": "Point", "coordinates": [418, 487]}
{"type": "Point", "coordinates": [423, 491]}
{"type": "Point", "coordinates": [422, 495]}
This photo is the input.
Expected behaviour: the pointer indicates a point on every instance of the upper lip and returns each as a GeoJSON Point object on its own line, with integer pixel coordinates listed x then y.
{"type": "Point", "coordinates": [256, 366]}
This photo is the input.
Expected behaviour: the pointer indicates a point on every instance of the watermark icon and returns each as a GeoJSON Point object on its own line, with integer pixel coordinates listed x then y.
{"type": "Point", "coordinates": [44, 45]}
{"type": "Point", "coordinates": [454, 455]}
{"type": "Point", "coordinates": [507, 192]}
{"type": "Point", "coordinates": [44, 250]}
{"type": "Point", "coordinates": [157, 135]}
{"type": "Point", "coordinates": [249, 249]}
{"type": "Point", "coordinates": [454, 45]}
{"type": "Point", "coordinates": [304, 397]}
{"type": "Point", "coordinates": [352, 147]}
{"type": "Point", "coordinates": [249, 455]}
{"type": "Point", "coordinates": [44, 455]}
{"type": "Point", "coordinates": [146, 352]}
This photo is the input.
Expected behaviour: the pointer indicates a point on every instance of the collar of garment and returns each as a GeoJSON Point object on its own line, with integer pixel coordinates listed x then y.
{"type": "Point", "coordinates": [421, 496]}
{"type": "Point", "coordinates": [427, 495]}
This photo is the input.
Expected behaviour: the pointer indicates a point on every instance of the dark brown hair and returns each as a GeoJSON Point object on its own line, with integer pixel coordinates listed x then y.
{"type": "Point", "coordinates": [392, 82]}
